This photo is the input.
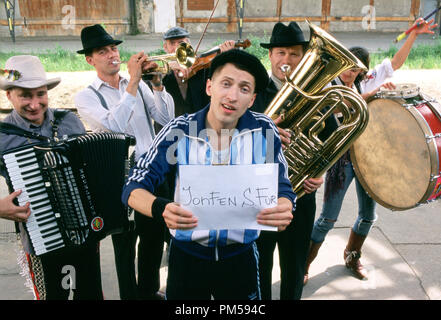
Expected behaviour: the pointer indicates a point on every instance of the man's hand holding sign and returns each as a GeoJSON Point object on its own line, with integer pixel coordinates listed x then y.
{"type": "Point", "coordinates": [210, 200]}
{"type": "Point", "coordinates": [249, 201]}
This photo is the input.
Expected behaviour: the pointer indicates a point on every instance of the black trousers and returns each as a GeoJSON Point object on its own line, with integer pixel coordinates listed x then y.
{"type": "Point", "coordinates": [124, 249]}
{"type": "Point", "coordinates": [193, 278]}
{"type": "Point", "coordinates": [293, 245]}
{"type": "Point", "coordinates": [151, 236]}
{"type": "Point", "coordinates": [81, 265]}
{"type": "Point", "coordinates": [151, 245]}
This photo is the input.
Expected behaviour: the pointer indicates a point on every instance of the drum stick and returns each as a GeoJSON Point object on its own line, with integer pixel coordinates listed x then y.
{"type": "Point", "coordinates": [404, 34]}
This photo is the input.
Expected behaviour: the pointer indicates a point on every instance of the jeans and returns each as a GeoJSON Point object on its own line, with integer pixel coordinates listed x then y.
{"type": "Point", "coordinates": [331, 209]}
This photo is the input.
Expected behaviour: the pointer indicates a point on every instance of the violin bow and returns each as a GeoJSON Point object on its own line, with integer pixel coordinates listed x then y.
{"type": "Point", "coordinates": [239, 12]}
{"type": "Point", "coordinates": [206, 26]}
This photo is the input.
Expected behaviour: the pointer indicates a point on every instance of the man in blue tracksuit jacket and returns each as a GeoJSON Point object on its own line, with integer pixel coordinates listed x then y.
{"type": "Point", "coordinates": [214, 263]}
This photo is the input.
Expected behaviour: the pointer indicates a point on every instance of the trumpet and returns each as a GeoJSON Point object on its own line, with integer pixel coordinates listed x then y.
{"type": "Point", "coordinates": [184, 56]}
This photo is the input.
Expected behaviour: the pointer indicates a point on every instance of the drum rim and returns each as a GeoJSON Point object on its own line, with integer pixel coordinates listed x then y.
{"type": "Point", "coordinates": [414, 91]}
{"type": "Point", "coordinates": [434, 161]}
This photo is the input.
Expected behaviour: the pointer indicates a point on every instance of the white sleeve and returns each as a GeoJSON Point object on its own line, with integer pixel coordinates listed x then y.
{"type": "Point", "coordinates": [160, 104]}
{"type": "Point", "coordinates": [116, 118]}
{"type": "Point", "coordinates": [377, 76]}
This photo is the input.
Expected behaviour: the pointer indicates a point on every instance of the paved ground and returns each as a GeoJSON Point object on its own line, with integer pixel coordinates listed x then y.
{"type": "Point", "coordinates": [402, 256]}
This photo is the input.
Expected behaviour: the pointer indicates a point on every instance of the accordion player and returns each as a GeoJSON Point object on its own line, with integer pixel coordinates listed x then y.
{"type": "Point", "coordinates": [74, 188]}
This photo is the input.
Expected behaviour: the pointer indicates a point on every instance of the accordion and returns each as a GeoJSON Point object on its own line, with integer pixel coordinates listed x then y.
{"type": "Point", "coordinates": [74, 188]}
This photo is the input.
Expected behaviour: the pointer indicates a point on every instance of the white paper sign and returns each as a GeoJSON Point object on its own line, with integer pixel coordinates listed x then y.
{"type": "Point", "coordinates": [228, 197]}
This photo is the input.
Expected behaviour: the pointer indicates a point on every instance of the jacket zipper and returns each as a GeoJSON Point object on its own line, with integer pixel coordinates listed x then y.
{"type": "Point", "coordinates": [216, 249]}
{"type": "Point", "coordinates": [216, 257]}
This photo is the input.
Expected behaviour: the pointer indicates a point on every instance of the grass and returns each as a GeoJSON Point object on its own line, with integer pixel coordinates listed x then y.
{"type": "Point", "coordinates": [420, 57]}
{"type": "Point", "coordinates": [60, 60]}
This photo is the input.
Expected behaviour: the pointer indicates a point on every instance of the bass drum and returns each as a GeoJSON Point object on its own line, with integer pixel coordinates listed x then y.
{"type": "Point", "coordinates": [397, 158]}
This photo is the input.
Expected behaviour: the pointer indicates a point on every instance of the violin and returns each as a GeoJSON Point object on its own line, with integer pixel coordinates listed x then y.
{"type": "Point", "coordinates": [204, 60]}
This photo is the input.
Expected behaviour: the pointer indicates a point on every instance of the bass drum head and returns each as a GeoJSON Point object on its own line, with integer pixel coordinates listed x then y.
{"type": "Point", "coordinates": [391, 158]}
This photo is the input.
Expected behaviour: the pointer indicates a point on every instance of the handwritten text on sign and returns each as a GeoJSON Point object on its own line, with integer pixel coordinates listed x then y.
{"type": "Point", "coordinates": [228, 197]}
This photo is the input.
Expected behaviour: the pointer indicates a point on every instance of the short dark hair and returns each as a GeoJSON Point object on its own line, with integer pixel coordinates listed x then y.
{"type": "Point", "coordinates": [243, 61]}
{"type": "Point", "coordinates": [238, 65]}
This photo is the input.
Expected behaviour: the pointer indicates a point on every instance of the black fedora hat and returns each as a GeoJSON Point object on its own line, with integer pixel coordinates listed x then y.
{"type": "Point", "coordinates": [95, 37]}
{"type": "Point", "coordinates": [285, 36]}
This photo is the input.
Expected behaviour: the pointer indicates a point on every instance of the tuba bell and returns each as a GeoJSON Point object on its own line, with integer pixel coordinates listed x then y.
{"type": "Point", "coordinates": [302, 106]}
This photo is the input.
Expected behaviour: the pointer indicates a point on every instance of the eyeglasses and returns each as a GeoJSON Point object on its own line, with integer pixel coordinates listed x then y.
{"type": "Point", "coordinates": [10, 75]}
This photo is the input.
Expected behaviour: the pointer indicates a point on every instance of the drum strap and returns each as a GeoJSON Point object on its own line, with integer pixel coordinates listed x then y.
{"type": "Point", "coordinates": [357, 85]}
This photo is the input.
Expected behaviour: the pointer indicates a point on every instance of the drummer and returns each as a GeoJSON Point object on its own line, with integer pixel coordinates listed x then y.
{"type": "Point", "coordinates": [375, 78]}
{"type": "Point", "coordinates": [341, 174]}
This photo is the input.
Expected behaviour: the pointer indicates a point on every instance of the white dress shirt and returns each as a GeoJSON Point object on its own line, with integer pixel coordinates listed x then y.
{"type": "Point", "coordinates": [125, 113]}
{"type": "Point", "coordinates": [374, 78]}
{"type": "Point", "coordinates": [377, 76]}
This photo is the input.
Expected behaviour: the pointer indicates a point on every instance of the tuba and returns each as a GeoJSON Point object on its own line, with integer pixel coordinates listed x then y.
{"type": "Point", "coordinates": [302, 106]}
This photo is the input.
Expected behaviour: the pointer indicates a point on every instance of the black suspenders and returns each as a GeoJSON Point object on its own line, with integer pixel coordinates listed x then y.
{"type": "Point", "coordinates": [105, 106]}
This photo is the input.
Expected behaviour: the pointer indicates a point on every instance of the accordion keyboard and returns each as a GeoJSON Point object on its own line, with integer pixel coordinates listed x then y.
{"type": "Point", "coordinates": [41, 225]}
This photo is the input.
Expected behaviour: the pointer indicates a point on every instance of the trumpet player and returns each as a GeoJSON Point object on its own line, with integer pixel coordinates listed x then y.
{"type": "Point", "coordinates": [286, 48]}
{"type": "Point", "coordinates": [116, 103]}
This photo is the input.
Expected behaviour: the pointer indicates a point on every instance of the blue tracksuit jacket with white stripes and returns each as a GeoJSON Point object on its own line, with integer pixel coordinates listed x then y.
{"type": "Point", "coordinates": [184, 141]}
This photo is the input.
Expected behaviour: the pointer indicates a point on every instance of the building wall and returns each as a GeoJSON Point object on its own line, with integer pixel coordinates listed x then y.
{"type": "Point", "coordinates": [68, 17]}
{"type": "Point", "coordinates": [156, 16]}
{"type": "Point", "coordinates": [145, 16]}
{"type": "Point", "coordinates": [311, 8]}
